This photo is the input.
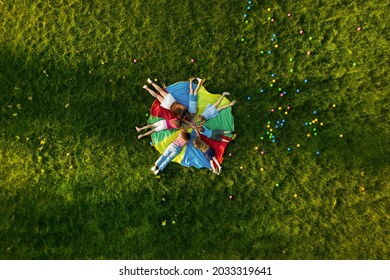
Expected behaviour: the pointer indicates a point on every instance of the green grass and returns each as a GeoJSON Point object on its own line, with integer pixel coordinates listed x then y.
{"type": "Point", "coordinates": [75, 183]}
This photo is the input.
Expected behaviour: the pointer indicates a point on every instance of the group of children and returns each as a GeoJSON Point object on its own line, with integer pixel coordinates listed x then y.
{"type": "Point", "coordinates": [183, 120]}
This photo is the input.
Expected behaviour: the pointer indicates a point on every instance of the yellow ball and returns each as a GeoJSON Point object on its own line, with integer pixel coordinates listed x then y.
{"type": "Point", "coordinates": [286, 113]}
{"type": "Point", "coordinates": [241, 167]}
{"type": "Point", "coordinates": [321, 123]}
{"type": "Point", "coordinates": [269, 9]}
{"type": "Point", "coordinates": [280, 108]}
{"type": "Point", "coordinates": [276, 46]}
{"type": "Point", "coordinates": [262, 169]}
{"type": "Point", "coordinates": [308, 135]}
{"type": "Point", "coordinates": [295, 195]}
{"type": "Point", "coordinates": [274, 81]}
{"type": "Point", "coordinates": [298, 145]}
{"type": "Point", "coordinates": [334, 105]}
{"type": "Point", "coordinates": [341, 136]}
{"type": "Point", "coordinates": [256, 148]}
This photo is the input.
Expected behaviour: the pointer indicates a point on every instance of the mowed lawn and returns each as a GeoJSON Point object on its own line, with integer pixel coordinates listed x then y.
{"type": "Point", "coordinates": [306, 178]}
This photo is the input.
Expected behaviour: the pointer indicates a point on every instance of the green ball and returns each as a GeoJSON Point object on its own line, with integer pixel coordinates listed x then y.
{"type": "Point", "coordinates": [291, 70]}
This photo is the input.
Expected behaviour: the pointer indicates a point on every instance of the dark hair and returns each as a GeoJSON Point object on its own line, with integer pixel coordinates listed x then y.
{"type": "Point", "coordinates": [197, 141]}
{"type": "Point", "coordinates": [185, 135]}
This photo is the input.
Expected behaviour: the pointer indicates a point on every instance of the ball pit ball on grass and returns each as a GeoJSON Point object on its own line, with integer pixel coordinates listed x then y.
{"type": "Point", "coordinates": [135, 60]}
{"type": "Point", "coordinates": [193, 60]}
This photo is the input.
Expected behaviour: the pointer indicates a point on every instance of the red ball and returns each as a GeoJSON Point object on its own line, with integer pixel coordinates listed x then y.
{"type": "Point", "coordinates": [135, 60]}
{"type": "Point", "coordinates": [193, 60]}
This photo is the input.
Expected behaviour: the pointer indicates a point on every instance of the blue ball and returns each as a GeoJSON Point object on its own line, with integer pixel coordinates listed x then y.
{"type": "Point", "coordinates": [306, 81]}
{"type": "Point", "coordinates": [298, 90]}
{"type": "Point", "coordinates": [245, 15]}
{"type": "Point", "coordinates": [249, 2]}
{"type": "Point", "coordinates": [273, 140]}
{"type": "Point", "coordinates": [273, 75]}
{"type": "Point", "coordinates": [281, 124]}
{"type": "Point", "coordinates": [272, 39]}
{"type": "Point", "coordinates": [274, 35]}
{"type": "Point", "coordinates": [269, 52]}
{"type": "Point", "coordinates": [317, 153]}
{"type": "Point", "coordinates": [262, 90]}
{"type": "Point", "coordinates": [249, 98]}
{"type": "Point", "coordinates": [278, 122]}
{"type": "Point", "coordinates": [276, 126]}
{"type": "Point", "coordinates": [314, 112]}
{"type": "Point", "coordinates": [248, 8]}
{"type": "Point", "coordinates": [288, 149]}
{"type": "Point", "coordinates": [283, 120]}
{"type": "Point", "coordinates": [306, 123]}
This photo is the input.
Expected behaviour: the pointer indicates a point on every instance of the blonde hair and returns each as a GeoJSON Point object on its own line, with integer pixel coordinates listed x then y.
{"type": "Point", "coordinates": [197, 141]}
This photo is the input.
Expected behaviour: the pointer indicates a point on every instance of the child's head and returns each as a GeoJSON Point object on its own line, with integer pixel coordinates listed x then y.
{"type": "Point", "coordinates": [197, 142]}
{"type": "Point", "coordinates": [201, 118]}
{"type": "Point", "coordinates": [185, 135]}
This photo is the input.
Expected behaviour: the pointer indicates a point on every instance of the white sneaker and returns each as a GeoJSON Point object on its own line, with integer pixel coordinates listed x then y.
{"type": "Point", "coordinates": [153, 168]}
{"type": "Point", "coordinates": [150, 81]}
{"type": "Point", "coordinates": [156, 171]}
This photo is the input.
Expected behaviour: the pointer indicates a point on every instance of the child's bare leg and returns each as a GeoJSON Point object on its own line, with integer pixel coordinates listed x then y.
{"type": "Point", "coordinates": [227, 106]}
{"type": "Point", "coordinates": [200, 83]}
{"type": "Point", "coordinates": [216, 104]}
{"type": "Point", "coordinates": [145, 127]}
{"type": "Point", "coordinates": [147, 133]}
{"type": "Point", "coordinates": [154, 94]}
{"type": "Point", "coordinates": [213, 167]}
{"type": "Point", "coordinates": [158, 88]}
{"type": "Point", "coordinates": [225, 140]}
{"type": "Point", "coordinates": [217, 163]}
{"type": "Point", "coordinates": [191, 89]}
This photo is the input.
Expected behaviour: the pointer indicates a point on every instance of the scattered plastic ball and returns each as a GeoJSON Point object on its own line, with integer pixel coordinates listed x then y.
{"type": "Point", "coordinates": [282, 94]}
{"type": "Point", "coordinates": [286, 113]}
{"type": "Point", "coordinates": [354, 64]}
{"type": "Point", "coordinates": [308, 135]}
{"type": "Point", "coordinates": [291, 59]}
{"type": "Point", "coordinates": [310, 38]}
{"type": "Point", "coordinates": [289, 149]}
{"type": "Point", "coordinates": [249, 98]}
{"type": "Point", "coordinates": [306, 81]}
{"type": "Point", "coordinates": [256, 148]}
{"type": "Point", "coordinates": [321, 124]}
{"type": "Point", "coordinates": [359, 29]}
{"type": "Point", "coordinates": [262, 90]}
{"type": "Point", "coordinates": [262, 152]}
{"type": "Point", "coordinates": [315, 133]}
{"type": "Point", "coordinates": [289, 14]}
{"type": "Point", "coordinates": [276, 46]}
{"type": "Point", "coordinates": [135, 60]}
{"type": "Point", "coordinates": [314, 112]}
{"type": "Point", "coordinates": [306, 123]}
{"type": "Point", "coordinates": [272, 110]}
{"type": "Point", "coordinates": [272, 39]}
{"type": "Point", "coordinates": [241, 167]}
{"type": "Point", "coordinates": [274, 81]}
{"type": "Point", "coordinates": [248, 8]}
{"type": "Point", "coordinates": [245, 15]}
{"type": "Point", "coordinates": [334, 105]}
{"type": "Point", "coordinates": [242, 39]}
{"type": "Point", "coordinates": [193, 60]}
{"type": "Point", "coordinates": [230, 154]}
{"type": "Point", "coordinates": [269, 9]}
{"type": "Point", "coordinates": [249, 2]}
{"type": "Point", "coordinates": [298, 145]}
{"type": "Point", "coordinates": [295, 195]}
{"type": "Point", "coordinates": [269, 52]}
{"type": "Point", "coordinates": [272, 20]}
{"type": "Point", "coordinates": [308, 53]}
{"type": "Point", "coordinates": [262, 52]}
{"type": "Point", "coordinates": [273, 75]}
{"type": "Point", "coordinates": [231, 197]}
{"type": "Point", "coordinates": [317, 153]}
{"type": "Point", "coordinates": [289, 107]}
{"type": "Point", "coordinates": [291, 70]}
{"type": "Point", "coordinates": [298, 90]}
{"type": "Point", "coordinates": [276, 185]}
{"type": "Point", "coordinates": [301, 32]}
{"type": "Point", "coordinates": [261, 169]}
{"type": "Point", "coordinates": [341, 136]}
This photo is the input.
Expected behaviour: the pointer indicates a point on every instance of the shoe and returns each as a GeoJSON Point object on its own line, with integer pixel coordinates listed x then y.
{"type": "Point", "coordinates": [220, 169]}
{"type": "Point", "coordinates": [156, 171]}
{"type": "Point", "coordinates": [150, 81]}
{"type": "Point", "coordinates": [153, 168]}
{"type": "Point", "coordinates": [226, 93]}
{"type": "Point", "coordinates": [233, 137]}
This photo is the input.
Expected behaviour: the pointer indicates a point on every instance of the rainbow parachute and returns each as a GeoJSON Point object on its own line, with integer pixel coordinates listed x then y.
{"type": "Point", "coordinates": [190, 156]}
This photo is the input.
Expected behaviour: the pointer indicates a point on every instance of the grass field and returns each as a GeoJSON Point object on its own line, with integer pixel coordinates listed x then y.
{"type": "Point", "coordinates": [75, 182]}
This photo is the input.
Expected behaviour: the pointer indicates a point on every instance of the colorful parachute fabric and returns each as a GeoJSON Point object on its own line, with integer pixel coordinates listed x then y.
{"type": "Point", "coordinates": [190, 156]}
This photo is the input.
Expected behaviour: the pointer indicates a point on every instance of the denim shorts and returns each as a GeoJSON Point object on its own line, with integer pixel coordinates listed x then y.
{"type": "Point", "coordinates": [209, 154]}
